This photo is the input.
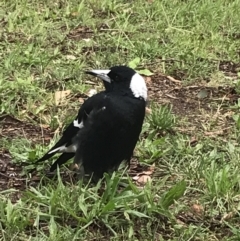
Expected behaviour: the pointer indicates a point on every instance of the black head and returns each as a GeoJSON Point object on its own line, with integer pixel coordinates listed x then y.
{"type": "Point", "coordinates": [122, 78]}
{"type": "Point", "coordinates": [121, 74]}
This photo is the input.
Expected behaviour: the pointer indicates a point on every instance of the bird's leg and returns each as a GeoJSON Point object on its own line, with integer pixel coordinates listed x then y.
{"type": "Point", "coordinates": [78, 167]}
{"type": "Point", "coordinates": [80, 171]}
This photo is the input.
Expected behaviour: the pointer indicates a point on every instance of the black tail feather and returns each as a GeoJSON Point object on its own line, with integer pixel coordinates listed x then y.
{"type": "Point", "coordinates": [45, 157]}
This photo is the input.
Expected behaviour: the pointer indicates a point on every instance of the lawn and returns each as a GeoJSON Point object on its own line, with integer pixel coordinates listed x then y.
{"type": "Point", "coordinates": [184, 180]}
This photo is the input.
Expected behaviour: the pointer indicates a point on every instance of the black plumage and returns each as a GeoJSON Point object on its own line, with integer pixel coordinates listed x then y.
{"type": "Point", "coordinates": [70, 132]}
{"type": "Point", "coordinates": [108, 124]}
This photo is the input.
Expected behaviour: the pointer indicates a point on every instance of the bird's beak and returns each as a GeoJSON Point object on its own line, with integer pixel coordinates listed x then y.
{"type": "Point", "coordinates": [102, 74]}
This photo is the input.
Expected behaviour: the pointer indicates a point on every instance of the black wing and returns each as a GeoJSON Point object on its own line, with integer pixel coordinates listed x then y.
{"type": "Point", "coordinates": [66, 141]}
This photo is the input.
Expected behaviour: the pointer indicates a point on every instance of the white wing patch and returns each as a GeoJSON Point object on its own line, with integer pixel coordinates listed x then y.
{"type": "Point", "coordinates": [72, 148]}
{"type": "Point", "coordinates": [138, 86]}
{"type": "Point", "coordinates": [77, 124]}
{"type": "Point", "coordinates": [69, 149]}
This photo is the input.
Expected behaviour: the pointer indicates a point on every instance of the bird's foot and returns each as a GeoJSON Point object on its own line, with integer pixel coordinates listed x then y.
{"type": "Point", "coordinates": [79, 170]}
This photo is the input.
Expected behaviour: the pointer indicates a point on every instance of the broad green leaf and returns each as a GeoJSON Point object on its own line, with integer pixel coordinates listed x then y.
{"type": "Point", "coordinates": [173, 194]}
{"type": "Point", "coordinates": [134, 63]}
{"type": "Point", "coordinates": [145, 72]}
{"type": "Point", "coordinates": [109, 207]}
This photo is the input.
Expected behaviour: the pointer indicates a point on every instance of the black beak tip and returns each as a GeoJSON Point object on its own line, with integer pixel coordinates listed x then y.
{"type": "Point", "coordinates": [89, 72]}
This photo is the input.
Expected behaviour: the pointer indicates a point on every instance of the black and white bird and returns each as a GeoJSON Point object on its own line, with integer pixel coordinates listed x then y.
{"type": "Point", "coordinates": [108, 124]}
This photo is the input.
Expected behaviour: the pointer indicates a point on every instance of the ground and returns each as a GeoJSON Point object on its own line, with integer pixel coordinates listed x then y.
{"type": "Point", "coordinates": [183, 183]}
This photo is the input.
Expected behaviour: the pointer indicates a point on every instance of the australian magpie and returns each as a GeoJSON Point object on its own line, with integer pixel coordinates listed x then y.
{"type": "Point", "coordinates": [108, 124]}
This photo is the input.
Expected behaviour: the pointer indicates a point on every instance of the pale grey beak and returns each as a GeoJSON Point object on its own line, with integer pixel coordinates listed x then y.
{"type": "Point", "coordinates": [102, 74]}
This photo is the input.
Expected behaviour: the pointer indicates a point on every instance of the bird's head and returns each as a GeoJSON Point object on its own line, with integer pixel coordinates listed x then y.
{"type": "Point", "coordinates": [122, 78]}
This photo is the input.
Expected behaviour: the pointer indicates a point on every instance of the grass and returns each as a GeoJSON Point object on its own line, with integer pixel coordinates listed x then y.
{"type": "Point", "coordinates": [194, 193]}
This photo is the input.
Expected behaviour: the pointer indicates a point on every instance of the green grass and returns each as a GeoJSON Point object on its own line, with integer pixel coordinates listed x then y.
{"type": "Point", "coordinates": [46, 45]}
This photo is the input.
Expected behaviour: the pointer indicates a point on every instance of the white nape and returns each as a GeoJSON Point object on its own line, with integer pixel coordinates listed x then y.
{"type": "Point", "coordinates": [138, 86]}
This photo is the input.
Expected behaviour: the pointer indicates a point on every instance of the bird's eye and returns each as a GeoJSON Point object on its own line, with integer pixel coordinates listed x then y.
{"type": "Point", "coordinates": [117, 78]}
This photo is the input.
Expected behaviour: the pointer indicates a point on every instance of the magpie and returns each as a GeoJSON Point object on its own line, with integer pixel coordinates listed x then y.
{"type": "Point", "coordinates": [108, 124]}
